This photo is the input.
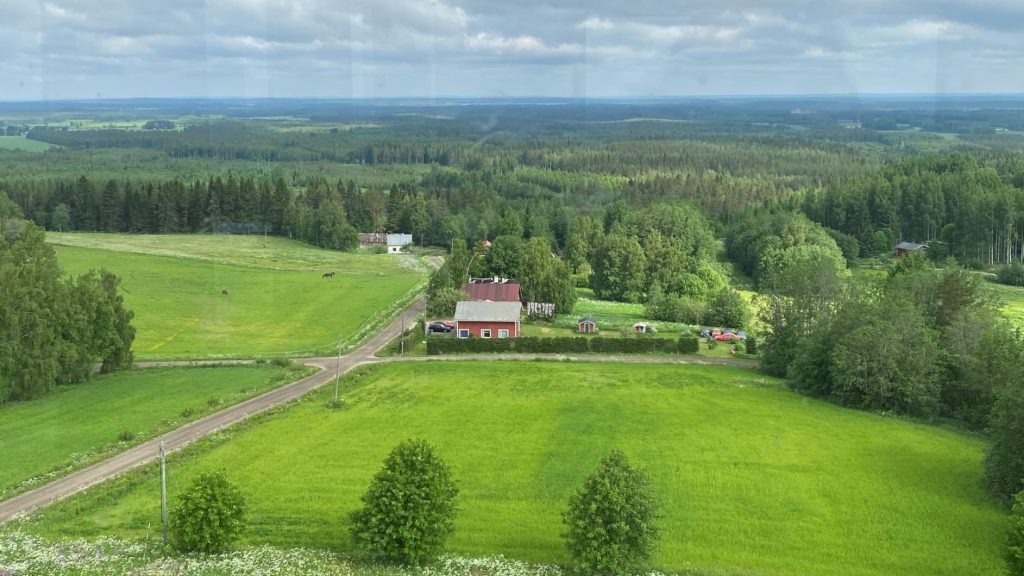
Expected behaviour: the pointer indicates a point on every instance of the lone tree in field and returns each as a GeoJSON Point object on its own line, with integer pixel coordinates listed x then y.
{"type": "Point", "coordinates": [1015, 543]}
{"type": "Point", "coordinates": [210, 515]}
{"type": "Point", "coordinates": [409, 510]}
{"type": "Point", "coordinates": [611, 520]}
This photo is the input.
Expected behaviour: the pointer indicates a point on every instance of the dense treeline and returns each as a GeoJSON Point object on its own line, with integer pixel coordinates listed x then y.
{"type": "Point", "coordinates": [53, 330]}
{"type": "Point", "coordinates": [970, 210]}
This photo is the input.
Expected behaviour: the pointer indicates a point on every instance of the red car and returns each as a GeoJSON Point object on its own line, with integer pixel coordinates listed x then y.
{"type": "Point", "coordinates": [725, 336]}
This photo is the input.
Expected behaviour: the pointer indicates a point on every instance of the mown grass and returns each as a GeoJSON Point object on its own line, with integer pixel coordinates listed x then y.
{"type": "Point", "coordinates": [752, 478]}
{"type": "Point", "coordinates": [22, 143]}
{"type": "Point", "coordinates": [77, 425]}
{"type": "Point", "coordinates": [276, 303]}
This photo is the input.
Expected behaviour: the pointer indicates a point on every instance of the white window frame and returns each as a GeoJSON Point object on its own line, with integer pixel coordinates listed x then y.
{"type": "Point", "coordinates": [485, 332]}
{"type": "Point", "coordinates": [503, 333]}
{"type": "Point", "coordinates": [463, 333]}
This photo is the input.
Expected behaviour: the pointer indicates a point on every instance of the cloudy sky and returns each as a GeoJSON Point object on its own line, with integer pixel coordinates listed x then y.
{"type": "Point", "coordinates": [61, 49]}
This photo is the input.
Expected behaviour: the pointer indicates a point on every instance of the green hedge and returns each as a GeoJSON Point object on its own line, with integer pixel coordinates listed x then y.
{"type": "Point", "coordinates": [561, 345]}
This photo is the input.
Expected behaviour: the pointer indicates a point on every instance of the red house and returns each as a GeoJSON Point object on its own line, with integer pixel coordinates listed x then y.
{"type": "Point", "coordinates": [487, 319]}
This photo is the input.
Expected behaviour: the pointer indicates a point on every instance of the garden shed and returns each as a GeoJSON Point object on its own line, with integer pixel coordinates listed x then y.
{"type": "Point", "coordinates": [587, 325]}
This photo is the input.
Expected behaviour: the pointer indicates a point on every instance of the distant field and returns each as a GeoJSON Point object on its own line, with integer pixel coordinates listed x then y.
{"type": "Point", "coordinates": [276, 302]}
{"type": "Point", "coordinates": [79, 424]}
{"type": "Point", "coordinates": [22, 143]}
{"type": "Point", "coordinates": [753, 479]}
{"type": "Point", "coordinates": [1011, 301]}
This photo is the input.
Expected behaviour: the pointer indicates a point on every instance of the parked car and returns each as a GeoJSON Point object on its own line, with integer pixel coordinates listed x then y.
{"type": "Point", "coordinates": [705, 333]}
{"type": "Point", "coordinates": [727, 337]}
{"type": "Point", "coordinates": [440, 327]}
{"type": "Point", "coordinates": [742, 335]}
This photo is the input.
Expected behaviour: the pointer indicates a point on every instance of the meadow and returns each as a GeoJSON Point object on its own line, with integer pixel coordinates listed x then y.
{"type": "Point", "coordinates": [22, 143]}
{"type": "Point", "coordinates": [752, 478]}
{"type": "Point", "coordinates": [276, 301]}
{"type": "Point", "coordinates": [77, 425]}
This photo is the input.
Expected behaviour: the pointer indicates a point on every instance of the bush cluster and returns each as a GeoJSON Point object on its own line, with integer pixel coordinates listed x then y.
{"type": "Point", "coordinates": [563, 345]}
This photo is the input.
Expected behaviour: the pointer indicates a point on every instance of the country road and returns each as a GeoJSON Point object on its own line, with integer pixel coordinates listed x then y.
{"type": "Point", "coordinates": [185, 435]}
{"type": "Point", "coordinates": [329, 366]}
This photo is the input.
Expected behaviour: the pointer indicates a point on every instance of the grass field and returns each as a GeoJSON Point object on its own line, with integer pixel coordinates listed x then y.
{"type": "Point", "coordinates": [752, 478]}
{"type": "Point", "coordinates": [276, 302]}
{"type": "Point", "coordinates": [22, 143]}
{"type": "Point", "coordinates": [79, 424]}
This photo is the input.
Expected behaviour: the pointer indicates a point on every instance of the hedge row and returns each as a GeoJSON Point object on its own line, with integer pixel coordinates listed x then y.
{"type": "Point", "coordinates": [563, 345]}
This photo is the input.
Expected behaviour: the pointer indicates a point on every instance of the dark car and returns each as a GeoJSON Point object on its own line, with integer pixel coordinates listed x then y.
{"type": "Point", "coordinates": [440, 327]}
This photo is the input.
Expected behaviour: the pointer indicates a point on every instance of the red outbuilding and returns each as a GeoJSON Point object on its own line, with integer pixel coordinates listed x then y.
{"type": "Point", "coordinates": [487, 319]}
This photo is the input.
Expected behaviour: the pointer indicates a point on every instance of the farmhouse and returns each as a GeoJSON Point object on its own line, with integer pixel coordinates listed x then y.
{"type": "Point", "coordinates": [587, 325]}
{"type": "Point", "coordinates": [487, 319]}
{"type": "Point", "coordinates": [397, 241]}
{"type": "Point", "coordinates": [904, 248]}
{"type": "Point", "coordinates": [492, 290]}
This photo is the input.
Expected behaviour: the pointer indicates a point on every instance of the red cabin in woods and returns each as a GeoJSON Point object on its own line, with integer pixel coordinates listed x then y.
{"type": "Point", "coordinates": [487, 319]}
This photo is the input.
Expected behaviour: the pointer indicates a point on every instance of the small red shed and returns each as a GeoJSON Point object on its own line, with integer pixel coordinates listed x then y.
{"type": "Point", "coordinates": [487, 319]}
{"type": "Point", "coordinates": [587, 325]}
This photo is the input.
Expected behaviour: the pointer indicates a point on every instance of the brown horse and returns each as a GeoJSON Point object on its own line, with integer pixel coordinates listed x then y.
{"type": "Point", "coordinates": [328, 275]}
{"type": "Point", "coordinates": [224, 292]}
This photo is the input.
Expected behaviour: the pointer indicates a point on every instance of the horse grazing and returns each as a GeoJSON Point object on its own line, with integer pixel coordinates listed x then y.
{"type": "Point", "coordinates": [224, 292]}
{"type": "Point", "coordinates": [328, 275]}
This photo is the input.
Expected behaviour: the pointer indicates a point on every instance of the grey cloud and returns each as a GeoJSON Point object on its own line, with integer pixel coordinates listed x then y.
{"type": "Point", "coordinates": [491, 47]}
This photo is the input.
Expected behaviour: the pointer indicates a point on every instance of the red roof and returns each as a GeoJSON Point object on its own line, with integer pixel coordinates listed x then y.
{"type": "Point", "coordinates": [493, 291]}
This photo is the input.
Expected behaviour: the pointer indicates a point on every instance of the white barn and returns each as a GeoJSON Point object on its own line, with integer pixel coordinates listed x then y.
{"type": "Point", "coordinates": [397, 241]}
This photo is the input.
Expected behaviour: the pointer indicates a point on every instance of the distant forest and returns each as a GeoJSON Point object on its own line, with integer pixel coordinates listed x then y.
{"type": "Point", "coordinates": [948, 172]}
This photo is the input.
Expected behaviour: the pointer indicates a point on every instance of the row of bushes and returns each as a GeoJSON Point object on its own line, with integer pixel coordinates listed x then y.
{"type": "Point", "coordinates": [563, 345]}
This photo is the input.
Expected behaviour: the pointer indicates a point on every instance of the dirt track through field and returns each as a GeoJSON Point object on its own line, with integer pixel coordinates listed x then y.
{"type": "Point", "coordinates": [329, 366]}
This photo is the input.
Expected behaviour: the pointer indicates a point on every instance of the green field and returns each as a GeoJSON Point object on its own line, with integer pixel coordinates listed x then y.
{"type": "Point", "coordinates": [276, 302]}
{"type": "Point", "coordinates": [79, 424]}
{"type": "Point", "coordinates": [22, 143]}
{"type": "Point", "coordinates": [753, 478]}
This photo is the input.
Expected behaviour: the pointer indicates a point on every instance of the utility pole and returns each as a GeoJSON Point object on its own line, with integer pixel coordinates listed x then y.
{"type": "Point", "coordinates": [401, 337]}
{"type": "Point", "coordinates": [163, 489]}
{"type": "Point", "coordinates": [337, 374]}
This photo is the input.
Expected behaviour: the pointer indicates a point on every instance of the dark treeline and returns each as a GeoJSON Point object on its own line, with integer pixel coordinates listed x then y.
{"type": "Point", "coordinates": [53, 330]}
{"type": "Point", "coordinates": [963, 207]}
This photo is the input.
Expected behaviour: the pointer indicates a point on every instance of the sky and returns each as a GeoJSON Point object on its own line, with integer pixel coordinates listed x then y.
{"type": "Point", "coordinates": [79, 49]}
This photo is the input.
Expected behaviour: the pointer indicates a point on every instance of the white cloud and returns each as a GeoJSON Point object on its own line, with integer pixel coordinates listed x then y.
{"type": "Point", "coordinates": [595, 23]}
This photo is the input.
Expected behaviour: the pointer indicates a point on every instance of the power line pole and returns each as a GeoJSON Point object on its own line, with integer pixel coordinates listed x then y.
{"type": "Point", "coordinates": [337, 374]}
{"type": "Point", "coordinates": [163, 489]}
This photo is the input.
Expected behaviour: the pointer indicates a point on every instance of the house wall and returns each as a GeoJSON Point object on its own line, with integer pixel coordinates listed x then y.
{"type": "Point", "coordinates": [475, 328]}
{"type": "Point", "coordinates": [394, 249]}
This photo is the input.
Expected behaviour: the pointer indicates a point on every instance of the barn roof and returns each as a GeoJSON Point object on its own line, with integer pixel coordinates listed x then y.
{"type": "Point", "coordinates": [493, 291]}
{"type": "Point", "coordinates": [910, 246]}
{"type": "Point", "coordinates": [586, 319]}
{"type": "Point", "coordinates": [466, 311]}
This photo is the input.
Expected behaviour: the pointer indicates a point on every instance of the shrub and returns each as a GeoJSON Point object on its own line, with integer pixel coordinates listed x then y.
{"type": "Point", "coordinates": [409, 509]}
{"type": "Point", "coordinates": [126, 436]}
{"type": "Point", "coordinates": [688, 344]}
{"type": "Point", "coordinates": [1015, 542]}
{"type": "Point", "coordinates": [727, 308]}
{"type": "Point", "coordinates": [611, 519]}
{"type": "Point", "coordinates": [1012, 275]}
{"type": "Point", "coordinates": [751, 344]}
{"type": "Point", "coordinates": [281, 362]}
{"type": "Point", "coordinates": [187, 413]}
{"type": "Point", "coordinates": [210, 515]}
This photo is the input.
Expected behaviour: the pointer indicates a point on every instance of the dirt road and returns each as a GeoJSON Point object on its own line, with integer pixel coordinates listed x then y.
{"type": "Point", "coordinates": [181, 437]}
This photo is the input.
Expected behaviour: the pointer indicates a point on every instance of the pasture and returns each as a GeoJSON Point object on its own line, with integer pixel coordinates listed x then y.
{"type": "Point", "coordinates": [202, 296]}
{"type": "Point", "coordinates": [79, 424]}
{"type": "Point", "coordinates": [22, 143]}
{"type": "Point", "coordinates": [752, 478]}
